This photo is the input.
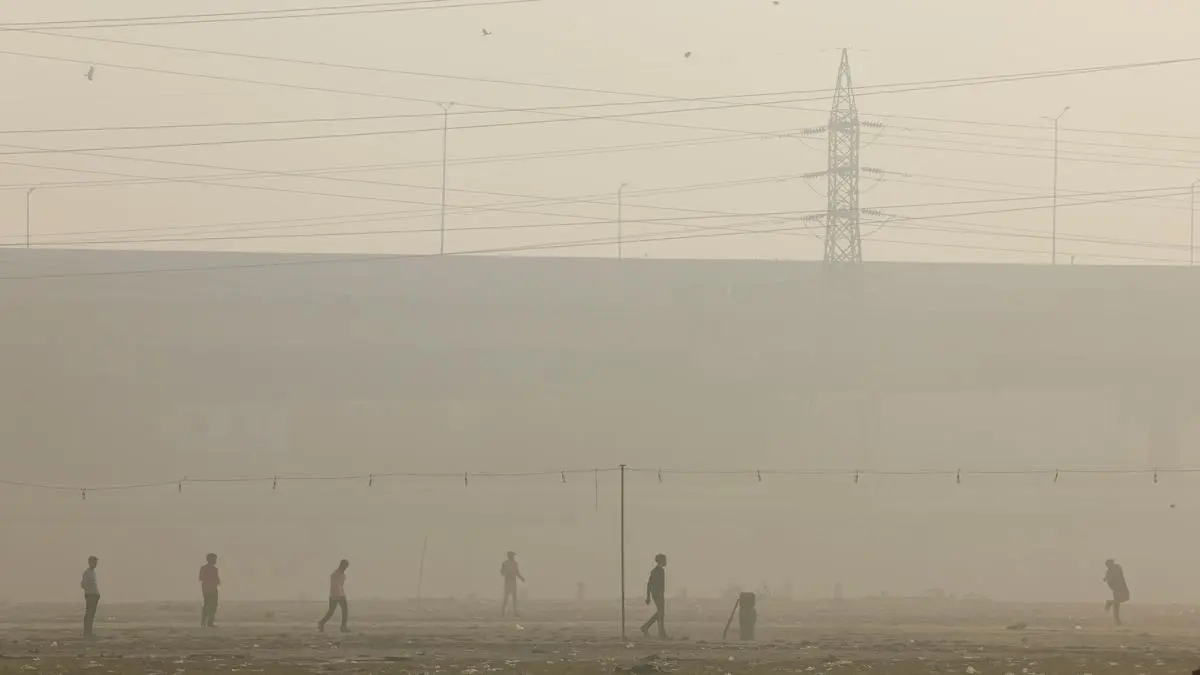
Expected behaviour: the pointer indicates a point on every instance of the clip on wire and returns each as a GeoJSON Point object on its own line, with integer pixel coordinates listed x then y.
{"type": "Point", "coordinates": [1056, 475]}
{"type": "Point", "coordinates": [660, 475]}
{"type": "Point", "coordinates": [958, 476]}
{"type": "Point", "coordinates": [370, 480]}
{"type": "Point", "coordinates": [83, 494]}
{"type": "Point", "coordinates": [274, 482]}
{"type": "Point", "coordinates": [759, 474]}
{"type": "Point", "coordinates": [1156, 476]}
{"type": "Point", "coordinates": [563, 475]}
{"type": "Point", "coordinates": [466, 479]}
{"type": "Point", "coordinates": [856, 477]}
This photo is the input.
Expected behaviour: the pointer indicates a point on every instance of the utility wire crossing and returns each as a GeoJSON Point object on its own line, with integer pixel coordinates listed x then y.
{"type": "Point", "coordinates": [563, 476]}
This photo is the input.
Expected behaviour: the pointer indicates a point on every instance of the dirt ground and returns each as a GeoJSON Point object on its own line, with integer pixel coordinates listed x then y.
{"type": "Point", "coordinates": [468, 638]}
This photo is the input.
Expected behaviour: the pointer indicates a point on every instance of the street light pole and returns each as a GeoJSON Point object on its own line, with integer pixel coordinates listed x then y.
{"type": "Point", "coordinates": [28, 198]}
{"type": "Point", "coordinates": [620, 221]}
{"type": "Point", "coordinates": [1054, 193]}
{"type": "Point", "coordinates": [1192, 227]}
{"type": "Point", "coordinates": [445, 138]}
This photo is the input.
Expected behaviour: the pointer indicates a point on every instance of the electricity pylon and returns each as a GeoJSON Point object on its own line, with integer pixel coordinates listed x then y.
{"type": "Point", "coordinates": [843, 238]}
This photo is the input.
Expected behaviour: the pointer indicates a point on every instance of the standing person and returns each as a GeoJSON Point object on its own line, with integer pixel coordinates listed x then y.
{"type": "Point", "coordinates": [1115, 578]}
{"type": "Point", "coordinates": [656, 589]}
{"type": "Point", "coordinates": [210, 581]}
{"type": "Point", "coordinates": [511, 572]}
{"type": "Point", "coordinates": [91, 596]}
{"type": "Point", "coordinates": [337, 597]}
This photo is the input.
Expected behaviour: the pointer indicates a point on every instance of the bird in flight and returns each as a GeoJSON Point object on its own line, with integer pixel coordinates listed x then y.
{"type": "Point", "coordinates": [91, 73]}
{"type": "Point", "coordinates": [687, 55]}
{"type": "Point", "coordinates": [486, 32]}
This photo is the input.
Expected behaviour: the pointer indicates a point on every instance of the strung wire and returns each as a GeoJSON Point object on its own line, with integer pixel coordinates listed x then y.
{"type": "Point", "coordinates": [757, 475]}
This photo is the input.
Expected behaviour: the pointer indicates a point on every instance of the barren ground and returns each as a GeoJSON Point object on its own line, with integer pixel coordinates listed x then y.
{"type": "Point", "coordinates": [559, 638]}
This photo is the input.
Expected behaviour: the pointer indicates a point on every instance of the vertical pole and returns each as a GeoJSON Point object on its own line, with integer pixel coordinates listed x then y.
{"type": "Point", "coordinates": [1054, 202]}
{"type": "Point", "coordinates": [445, 138]}
{"type": "Point", "coordinates": [620, 224]}
{"type": "Point", "coordinates": [421, 570]}
{"type": "Point", "coordinates": [28, 199]}
{"type": "Point", "coordinates": [621, 221]}
{"type": "Point", "coordinates": [1192, 227]}
{"type": "Point", "coordinates": [623, 552]}
{"type": "Point", "coordinates": [1054, 191]}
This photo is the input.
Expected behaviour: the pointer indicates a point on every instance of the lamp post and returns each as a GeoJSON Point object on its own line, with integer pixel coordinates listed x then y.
{"type": "Point", "coordinates": [1192, 227]}
{"type": "Point", "coordinates": [620, 220]}
{"type": "Point", "coordinates": [445, 137]}
{"type": "Point", "coordinates": [28, 201]}
{"type": "Point", "coordinates": [1054, 191]}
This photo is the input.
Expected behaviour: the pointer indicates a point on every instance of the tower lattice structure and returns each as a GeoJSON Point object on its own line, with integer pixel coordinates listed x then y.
{"type": "Point", "coordinates": [843, 238]}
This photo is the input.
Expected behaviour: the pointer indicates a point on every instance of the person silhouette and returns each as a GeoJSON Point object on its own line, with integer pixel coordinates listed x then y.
{"type": "Point", "coordinates": [511, 571]}
{"type": "Point", "coordinates": [337, 597]}
{"type": "Point", "coordinates": [210, 580]}
{"type": "Point", "coordinates": [1115, 578]}
{"type": "Point", "coordinates": [91, 596]}
{"type": "Point", "coordinates": [656, 590]}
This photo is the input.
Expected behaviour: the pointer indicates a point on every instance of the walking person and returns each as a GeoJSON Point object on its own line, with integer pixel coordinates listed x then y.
{"type": "Point", "coordinates": [1115, 578]}
{"type": "Point", "coordinates": [656, 590]}
{"type": "Point", "coordinates": [91, 596]}
{"type": "Point", "coordinates": [337, 597]}
{"type": "Point", "coordinates": [511, 573]}
{"type": "Point", "coordinates": [210, 581]}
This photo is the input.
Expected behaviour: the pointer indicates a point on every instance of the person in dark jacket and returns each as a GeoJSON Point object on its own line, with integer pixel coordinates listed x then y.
{"type": "Point", "coordinates": [210, 581]}
{"type": "Point", "coordinates": [656, 590]}
{"type": "Point", "coordinates": [1115, 578]}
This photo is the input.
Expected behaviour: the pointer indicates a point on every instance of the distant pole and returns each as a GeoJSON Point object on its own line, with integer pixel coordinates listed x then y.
{"type": "Point", "coordinates": [623, 552]}
{"type": "Point", "coordinates": [421, 570]}
{"type": "Point", "coordinates": [28, 198]}
{"type": "Point", "coordinates": [1192, 227]}
{"type": "Point", "coordinates": [620, 221]}
{"type": "Point", "coordinates": [1054, 192]}
{"type": "Point", "coordinates": [445, 138]}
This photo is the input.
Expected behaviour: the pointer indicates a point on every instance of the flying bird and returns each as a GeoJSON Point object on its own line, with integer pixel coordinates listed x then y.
{"type": "Point", "coordinates": [486, 32]}
{"type": "Point", "coordinates": [687, 55]}
{"type": "Point", "coordinates": [91, 73]}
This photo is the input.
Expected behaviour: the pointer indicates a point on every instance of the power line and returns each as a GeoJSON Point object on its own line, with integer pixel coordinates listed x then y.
{"type": "Point", "coordinates": [484, 159]}
{"type": "Point", "coordinates": [707, 233]}
{"type": "Point", "coordinates": [1017, 125]}
{"type": "Point", "coordinates": [653, 97]}
{"type": "Point", "coordinates": [258, 15]}
{"type": "Point", "coordinates": [562, 476]}
{"type": "Point", "coordinates": [973, 186]}
{"type": "Point", "coordinates": [1045, 141]}
{"type": "Point", "coordinates": [980, 149]}
{"type": "Point", "coordinates": [392, 132]}
{"type": "Point", "coordinates": [276, 479]}
{"type": "Point", "coordinates": [867, 90]}
{"type": "Point", "coordinates": [402, 215]}
{"type": "Point", "coordinates": [779, 215]}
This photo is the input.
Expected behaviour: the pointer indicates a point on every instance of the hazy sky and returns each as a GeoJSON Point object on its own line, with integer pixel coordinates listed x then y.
{"type": "Point", "coordinates": [556, 171]}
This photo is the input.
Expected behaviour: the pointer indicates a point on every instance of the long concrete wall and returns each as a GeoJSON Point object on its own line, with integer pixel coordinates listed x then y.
{"type": "Point", "coordinates": [116, 370]}
{"type": "Point", "coordinates": [545, 352]}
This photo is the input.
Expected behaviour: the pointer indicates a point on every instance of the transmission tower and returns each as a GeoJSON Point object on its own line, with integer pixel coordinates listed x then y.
{"type": "Point", "coordinates": [843, 240]}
